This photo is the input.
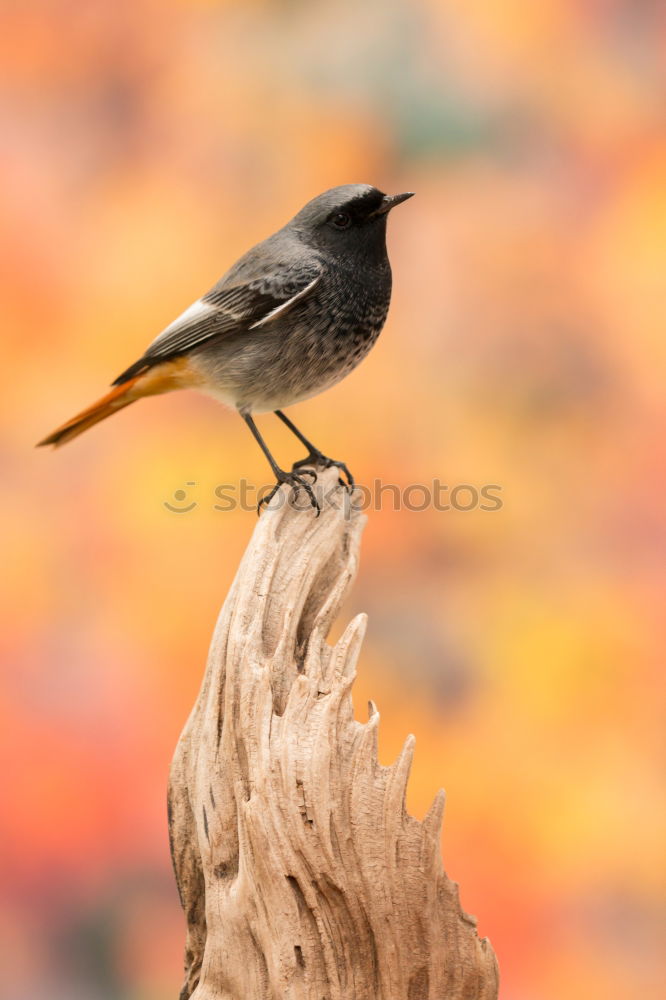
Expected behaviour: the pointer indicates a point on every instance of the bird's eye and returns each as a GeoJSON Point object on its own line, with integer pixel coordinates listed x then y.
{"type": "Point", "coordinates": [341, 220]}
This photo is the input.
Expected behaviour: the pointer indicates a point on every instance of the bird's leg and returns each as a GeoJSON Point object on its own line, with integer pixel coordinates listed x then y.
{"type": "Point", "coordinates": [314, 456]}
{"type": "Point", "coordinates": [292, 478]}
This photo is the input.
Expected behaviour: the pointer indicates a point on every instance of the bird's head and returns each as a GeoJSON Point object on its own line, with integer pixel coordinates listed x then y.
{"type": "Point", "coordinates": [347, 220]}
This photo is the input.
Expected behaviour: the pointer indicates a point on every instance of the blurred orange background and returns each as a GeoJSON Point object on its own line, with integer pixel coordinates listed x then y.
{"type": "Point", "coordinates": [145, 146]}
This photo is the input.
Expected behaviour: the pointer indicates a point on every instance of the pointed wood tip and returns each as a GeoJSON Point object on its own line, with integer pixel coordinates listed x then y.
{"type": "Point", "coordinates": [435, 815]}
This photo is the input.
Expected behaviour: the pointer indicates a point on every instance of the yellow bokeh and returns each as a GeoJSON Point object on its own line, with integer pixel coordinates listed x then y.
{"type": "Point", "coordinates": [146, 145]}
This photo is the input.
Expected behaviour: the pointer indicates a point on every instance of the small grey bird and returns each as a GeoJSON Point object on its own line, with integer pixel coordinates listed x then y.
{"type": "Point", "coordinates": [291, 318]}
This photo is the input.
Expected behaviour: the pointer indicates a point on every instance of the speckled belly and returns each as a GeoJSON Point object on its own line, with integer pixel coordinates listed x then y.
{"type": "Point", "coordinates": [271, 369]}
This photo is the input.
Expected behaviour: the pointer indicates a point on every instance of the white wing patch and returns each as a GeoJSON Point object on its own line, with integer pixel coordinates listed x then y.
{"type": "Point", "coordinates": [193, 314]}
{"type": "Point", "coordinates": [286, 306]}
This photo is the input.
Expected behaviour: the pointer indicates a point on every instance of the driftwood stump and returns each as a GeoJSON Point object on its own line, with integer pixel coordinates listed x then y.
{"type": "Point", "coordinates": [300, 872]}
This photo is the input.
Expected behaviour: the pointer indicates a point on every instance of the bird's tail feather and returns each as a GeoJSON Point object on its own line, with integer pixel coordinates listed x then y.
{"type": "Point", "coordinates": [120, 396]}
{"type": "Point", "coordinates": [176, 373]}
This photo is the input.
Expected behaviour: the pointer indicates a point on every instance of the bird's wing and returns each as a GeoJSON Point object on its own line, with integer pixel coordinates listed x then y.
{"type": "Point", "coordinates": [228, 308]}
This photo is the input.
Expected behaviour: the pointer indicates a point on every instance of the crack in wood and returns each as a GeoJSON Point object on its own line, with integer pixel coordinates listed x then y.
{"type": "Point", "coordinates": [306, 879]}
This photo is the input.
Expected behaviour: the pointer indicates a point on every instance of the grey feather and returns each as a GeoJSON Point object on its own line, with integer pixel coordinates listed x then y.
{"type": "Point", "coordinates": [230, 307]}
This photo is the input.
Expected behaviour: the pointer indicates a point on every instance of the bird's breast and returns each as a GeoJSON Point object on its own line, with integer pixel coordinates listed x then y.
{"type": "Point", "coordinates": [305, 351]}
{"type": "Point", "coordinates": [354, 300]}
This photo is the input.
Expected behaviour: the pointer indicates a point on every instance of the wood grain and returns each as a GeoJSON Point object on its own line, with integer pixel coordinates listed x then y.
{"type": "Point", "coordinates": [301, 875]}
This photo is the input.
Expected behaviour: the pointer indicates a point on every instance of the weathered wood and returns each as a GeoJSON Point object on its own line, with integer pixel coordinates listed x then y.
{"type": "Point", "coordinates": [300, 872]}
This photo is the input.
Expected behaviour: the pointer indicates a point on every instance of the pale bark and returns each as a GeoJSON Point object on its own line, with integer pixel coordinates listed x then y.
{"type": "Point", "coordinates": [300, 872]}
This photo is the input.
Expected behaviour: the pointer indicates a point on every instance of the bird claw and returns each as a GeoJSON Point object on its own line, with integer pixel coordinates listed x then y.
{"type": "Point", "coordinates": [307, 472]}
{"type": "Point", "coordinates": [296, 482]}
{"type": "Point", "coordinates": [317, 458]}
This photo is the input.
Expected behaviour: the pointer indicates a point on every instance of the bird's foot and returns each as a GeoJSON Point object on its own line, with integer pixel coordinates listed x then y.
{"type": "Point", "coordinates": [316, 458]}
{"type": "Point", "coordinates": [296, 481]}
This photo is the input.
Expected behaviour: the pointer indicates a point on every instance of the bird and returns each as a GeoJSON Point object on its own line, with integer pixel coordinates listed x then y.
{"type": "Point", "coordinates": [291, 318]}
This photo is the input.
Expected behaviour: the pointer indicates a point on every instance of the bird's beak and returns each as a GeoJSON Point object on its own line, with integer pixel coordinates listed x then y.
{"type": "Point", "coordinates": [391, 200]}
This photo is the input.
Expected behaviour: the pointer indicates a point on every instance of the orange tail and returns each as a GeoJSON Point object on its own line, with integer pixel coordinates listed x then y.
{"type": "Point", "coordinates": [164, 377]}
{"type": "Point", "coordinates": [115, 400]}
